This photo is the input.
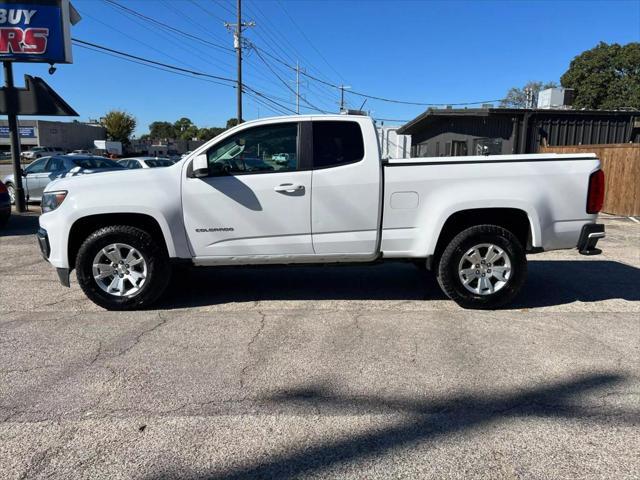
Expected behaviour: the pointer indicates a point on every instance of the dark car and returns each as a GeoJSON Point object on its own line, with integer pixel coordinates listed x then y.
{"type": "Point", "coordinates": [46, 169]}
{"type": "Point", "coordinates": [5, 205]}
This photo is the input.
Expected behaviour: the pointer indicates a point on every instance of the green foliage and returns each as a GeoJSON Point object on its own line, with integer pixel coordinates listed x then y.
{"type": "Point", "coordinates": [119, 125]}
{"type": "Point", "coordinates": [605, 77]}
{"type": "Point", "coordinates": [158, 130]}
{"type": "Point", "coordinates": [185, 129]}
{"type": "Point", "coordinates": [208, 133]}
{"type": "Point", "coordinates": [232, 122]}
{"type": "Point", "coordinates": [182, 129]}
{"type": "Point", "coordinates": [517, 97]}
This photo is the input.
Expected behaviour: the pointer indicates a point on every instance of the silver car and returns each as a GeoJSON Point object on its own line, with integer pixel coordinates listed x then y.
{"type": "Point", "coordinates": [145, 162]}
{"type": "Point", "coordinates": [46, 169]}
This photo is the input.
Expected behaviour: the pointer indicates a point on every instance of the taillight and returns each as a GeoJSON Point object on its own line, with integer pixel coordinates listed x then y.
{"type": "Point", "coordinates": [595, 196]}
{"type": "Point", "coordinates": [3, 189]}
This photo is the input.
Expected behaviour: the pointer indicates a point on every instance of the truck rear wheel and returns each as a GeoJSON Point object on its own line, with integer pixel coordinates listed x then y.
{"type": "Point", "coordinates": [122, 268]}
{"type": "Point", "coordinates": [483, 267]}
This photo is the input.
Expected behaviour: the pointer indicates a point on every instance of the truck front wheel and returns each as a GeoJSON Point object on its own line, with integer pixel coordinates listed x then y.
{"type": "Point", "coordinates": [122, 268]}
{"type": "Point", "coordinates": [484, 267]}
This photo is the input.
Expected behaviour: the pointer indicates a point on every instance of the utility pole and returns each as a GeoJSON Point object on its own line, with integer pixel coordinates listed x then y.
{"type": "Point", "coordinates": [342, 88]}
{"type": "Point", "coordinates": [297, 88]}
{"type": "Point", "coordinates": [237, 44]}
{"type": "Point", "coordinates": [298, 71]}
{"type": "Point", "coordinates": [14, 137]}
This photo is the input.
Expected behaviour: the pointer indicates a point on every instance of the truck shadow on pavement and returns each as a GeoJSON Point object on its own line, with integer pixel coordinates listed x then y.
{"type": "Point", "coordinates": [425, 421]}
{"type": "Point", "coordinates": [549, 283]}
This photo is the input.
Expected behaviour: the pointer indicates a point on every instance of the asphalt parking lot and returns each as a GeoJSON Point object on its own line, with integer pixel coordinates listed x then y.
{"type": "Point", "coordinates": [333, 372]}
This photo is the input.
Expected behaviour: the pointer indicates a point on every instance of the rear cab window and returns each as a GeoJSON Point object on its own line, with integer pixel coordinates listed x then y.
{"type": "Point", "coordinates": [336, 143]}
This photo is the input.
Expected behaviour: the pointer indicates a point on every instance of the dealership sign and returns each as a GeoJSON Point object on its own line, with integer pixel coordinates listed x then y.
{"type": "Point", "coordinates": [25, 132]}
{"type": "Point", "coordinates": [36, 30]}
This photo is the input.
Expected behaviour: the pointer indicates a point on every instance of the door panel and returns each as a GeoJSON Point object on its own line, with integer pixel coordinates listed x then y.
{"type": "Point", "coordinates": [257, 201]}
{"type": "Point", "coordinates": [34, 181]}
{"type": "Point", "coordinates": [346, 190]}
{"type": "Point", "coordinates": [245, 215]}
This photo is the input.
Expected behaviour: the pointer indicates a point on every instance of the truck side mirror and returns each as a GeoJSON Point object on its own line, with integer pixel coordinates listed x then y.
{"type": "Point", "coordinates": [22, 172]}
{"type": "Point", "coordinates": [200, 166]}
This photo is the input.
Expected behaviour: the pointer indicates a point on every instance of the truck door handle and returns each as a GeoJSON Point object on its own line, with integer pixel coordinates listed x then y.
{"type": "Point", "coordinates": [289, 188]}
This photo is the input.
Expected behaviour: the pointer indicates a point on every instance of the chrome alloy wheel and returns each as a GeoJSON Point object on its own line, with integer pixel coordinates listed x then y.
{"type": "Point", "coordinates": [120, 270]}
{"type": "Point", "coordinates": [484, 269]}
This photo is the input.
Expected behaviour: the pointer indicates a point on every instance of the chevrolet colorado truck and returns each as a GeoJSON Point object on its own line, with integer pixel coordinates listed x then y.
{"type": "Point", "coordinates": [315, 190]}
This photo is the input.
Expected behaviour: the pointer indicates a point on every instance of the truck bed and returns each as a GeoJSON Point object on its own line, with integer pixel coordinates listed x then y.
{"type": "Point", "coordinates": [421, 193]}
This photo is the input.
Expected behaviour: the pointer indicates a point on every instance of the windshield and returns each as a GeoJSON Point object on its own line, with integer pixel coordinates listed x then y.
{"type": "Point", "coordinates": [158, 163]}
{"type": "Point", "coordinates": [95, 162]}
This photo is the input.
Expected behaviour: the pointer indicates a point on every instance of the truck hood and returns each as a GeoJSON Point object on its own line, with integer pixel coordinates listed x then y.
{"type": "Point", "coordinates": [117, 180]}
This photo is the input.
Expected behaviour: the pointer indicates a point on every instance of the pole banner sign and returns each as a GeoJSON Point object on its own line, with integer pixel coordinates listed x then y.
{"type": "Point", "coordinates": [35, 31]}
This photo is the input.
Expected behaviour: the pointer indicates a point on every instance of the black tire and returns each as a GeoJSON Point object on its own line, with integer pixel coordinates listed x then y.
{"type": "Point", "coordinates": [448, 267]}
{"type": "Point", "coordinates": [157, 263]}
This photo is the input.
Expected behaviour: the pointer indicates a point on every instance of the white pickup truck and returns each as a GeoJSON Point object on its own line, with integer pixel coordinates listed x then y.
{"type": "Point", "coordinates": [234, 201]}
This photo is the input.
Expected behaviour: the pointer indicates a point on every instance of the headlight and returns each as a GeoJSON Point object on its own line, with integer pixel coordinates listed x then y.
{"type": "Point", "coordinates": [52, 200]}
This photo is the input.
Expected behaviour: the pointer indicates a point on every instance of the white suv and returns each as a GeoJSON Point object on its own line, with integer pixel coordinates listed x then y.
{"type": "Point", "coordinates": [37, 152]}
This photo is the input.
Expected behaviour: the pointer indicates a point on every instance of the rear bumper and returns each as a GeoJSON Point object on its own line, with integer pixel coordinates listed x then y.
{"type": "Point", "coordinates": [589, 236]}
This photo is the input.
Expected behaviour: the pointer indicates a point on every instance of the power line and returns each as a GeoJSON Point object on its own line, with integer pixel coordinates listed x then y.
{"type": "Point", "coordinates": [285, 83]}
{"type": "Point", "coordinates": [178, 70]}
{"type": "Point", "coordinates": [169, 27]}
{"type": "Point", "coordinates": [374, 97]}
{"type": "Point", "coordinates": [154, 62]}
{"type": "Point", "coordinates": [285, 41]}
{"type": "Point", "coordinates": [194, 49]}
{"type": "Point", "coordinates": [173, 7]}
{"type": "Point", "coordinates": [291, 67]}
{"type": "Point", "coordinates": [207, 11]}
{"type": "Point", "coordinates": [304, 35]}
{"type": "Point", "coordinates": [122, 32]}
{"type": "Point", "coordinates": [150, 65]}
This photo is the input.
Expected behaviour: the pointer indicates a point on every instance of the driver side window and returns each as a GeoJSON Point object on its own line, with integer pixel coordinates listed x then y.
{"type": "Point", "coordinates": [264, 149]}
{"type": "Point", "coordinates": [37, 166]}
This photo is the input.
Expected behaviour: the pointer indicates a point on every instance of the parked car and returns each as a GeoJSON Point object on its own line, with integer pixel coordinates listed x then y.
{"type": "Point", "coordinates": [5, 205]}
{"type": "Point", "coordinates": [470, 219]}
{"type": "Point", "coordinates": [145, 162]}
{"type": "Point", "coordinates": [281, 158]}
{"type": "Point", "coordinates": [38, 152]}
{"type": "Point", "coordinates": [5, 156]}
{"type": "Point", "coordinates": [42, 171]}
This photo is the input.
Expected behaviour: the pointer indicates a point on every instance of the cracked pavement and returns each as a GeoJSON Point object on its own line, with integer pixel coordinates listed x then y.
{"type": "Point", "coordinates": [336, 372]}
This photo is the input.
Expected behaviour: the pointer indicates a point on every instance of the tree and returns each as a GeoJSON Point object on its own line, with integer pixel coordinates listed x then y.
{"type": "Point", "coordinates": [607, 77]}
{"type": "Point", "coordinates": [119, 125]}
{"type": "Point", "coordinates": [517, 97]}
{"type": "Point", "coordinates": [232, 122]}
{"type": "Point", "coordinates": [159, 130]}
{"type": "Point", "coordinates": [208, 133]}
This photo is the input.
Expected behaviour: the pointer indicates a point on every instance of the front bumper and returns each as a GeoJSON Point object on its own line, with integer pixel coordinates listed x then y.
{"type": "Point", "coordinates": [43, 242]}
{"type": "Point", "coordinates": [589, 236]}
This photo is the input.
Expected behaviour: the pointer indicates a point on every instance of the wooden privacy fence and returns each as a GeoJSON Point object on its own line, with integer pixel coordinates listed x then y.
{"type": "Point", "coordinates": [621, 165]}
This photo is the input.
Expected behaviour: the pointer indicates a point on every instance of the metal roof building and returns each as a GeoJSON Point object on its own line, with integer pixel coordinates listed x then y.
{"type": "Point", "coordinates": [478, 131]}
